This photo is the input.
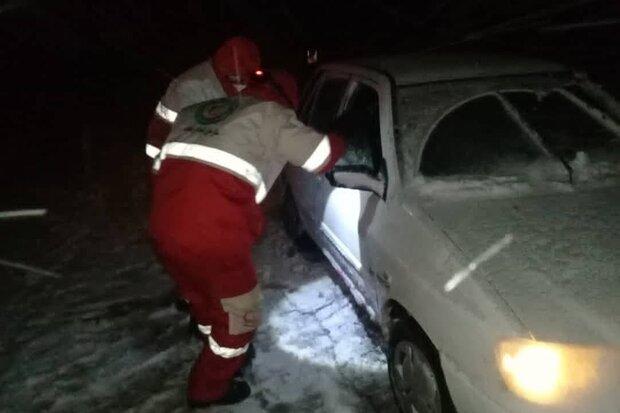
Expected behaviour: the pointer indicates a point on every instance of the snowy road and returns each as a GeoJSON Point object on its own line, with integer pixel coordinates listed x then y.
{"type": "Point", "coordinates": [105, 337]}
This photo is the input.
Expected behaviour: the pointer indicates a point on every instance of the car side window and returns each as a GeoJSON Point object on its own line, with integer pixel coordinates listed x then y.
{"type": "Point", "coordinates": [477, 138]}
{"type": "Point", "coordinates": [306, 97]}
{"type": "Point", "coordinates": [326, 104]}
{"type": "Point", "coordinates": [360, 123]}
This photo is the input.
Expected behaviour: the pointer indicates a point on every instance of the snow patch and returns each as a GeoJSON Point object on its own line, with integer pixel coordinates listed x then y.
{"type": "Point", "coordinates": [107, 337]}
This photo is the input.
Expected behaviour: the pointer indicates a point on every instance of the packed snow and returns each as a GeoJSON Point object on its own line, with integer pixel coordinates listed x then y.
{"type": "Point", "coordinates": [518, 179]}
{"type": "Point", "coordinates": [105, 336]}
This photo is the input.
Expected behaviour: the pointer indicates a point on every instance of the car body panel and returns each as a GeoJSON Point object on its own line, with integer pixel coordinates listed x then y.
{"type": "Point", "coordinates": [404, 247]}
{"type": "Point", "coordinates": [563, 288]}
{"type": "Point", "coordinates": [437, 67]}
{"type": "Point", "coordinates": [342, 251]}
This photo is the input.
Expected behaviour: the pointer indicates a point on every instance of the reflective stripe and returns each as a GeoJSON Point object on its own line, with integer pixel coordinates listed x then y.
{"type": "Point", "coordinates": [216, 157]}
{"type": "Point", "coordinates": [151, 150]}
{"type": "Point", "coordinates": [319, 157]}
{"type": "Point", "coordinates": [204, 329]}
{"type": "Point", "coordinates": [226, 352]}
{"type": "Point", "coordinates": [165, 113]}
{"type": "Point", "coordinates": [261, 193]}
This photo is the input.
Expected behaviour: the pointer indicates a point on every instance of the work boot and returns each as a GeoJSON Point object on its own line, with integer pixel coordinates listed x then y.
{"type": "Point", "coordinates": [181, 304]}
{"type": "Point", "coordinates": [239, 390]}
{"type": "Point", "coordinates": [193, 330]}
{"type": "Point", "coordinates": [250, 355]}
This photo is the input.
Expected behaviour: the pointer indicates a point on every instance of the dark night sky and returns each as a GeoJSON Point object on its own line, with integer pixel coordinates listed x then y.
{"type": "Point", "coordinates": [170, 35]}
{"type": "Point", "coordinates": [80, 81]}
{"type": "Point", "coordinates": [64, 60]}
{"type": "Point", "coordinates": [166, 37]}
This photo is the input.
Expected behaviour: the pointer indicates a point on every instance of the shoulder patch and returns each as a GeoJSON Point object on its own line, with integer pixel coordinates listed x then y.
{"type": "Point", "coordinates": [214, 111]}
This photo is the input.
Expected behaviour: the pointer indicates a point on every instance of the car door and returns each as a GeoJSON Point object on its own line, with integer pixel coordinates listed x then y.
{"type": "Point", "coordinates": [345, 213]}
{"type": "Point", "coordinates": [323, 105]}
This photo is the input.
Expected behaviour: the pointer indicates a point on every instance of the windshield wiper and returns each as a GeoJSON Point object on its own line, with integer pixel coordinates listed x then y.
{"type": "Point", "coordinates": [569, 168]}
{"type": "Point", "coordinates": [531, 133]}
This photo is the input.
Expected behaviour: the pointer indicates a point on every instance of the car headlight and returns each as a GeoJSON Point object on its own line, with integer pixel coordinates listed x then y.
{"type": "Point", "coordinates": [547, 372]}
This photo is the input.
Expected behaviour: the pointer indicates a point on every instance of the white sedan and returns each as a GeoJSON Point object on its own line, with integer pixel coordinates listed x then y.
{"type": "Point", "coordinates": [476, 217]}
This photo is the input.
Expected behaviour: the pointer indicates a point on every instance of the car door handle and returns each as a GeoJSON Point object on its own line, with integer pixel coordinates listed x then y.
{"type": "Point", "coordinates": [383, 277]}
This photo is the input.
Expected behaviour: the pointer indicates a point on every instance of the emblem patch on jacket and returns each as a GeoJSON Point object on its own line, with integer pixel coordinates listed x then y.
{"type": "Point", "coordinates": [214, 111]}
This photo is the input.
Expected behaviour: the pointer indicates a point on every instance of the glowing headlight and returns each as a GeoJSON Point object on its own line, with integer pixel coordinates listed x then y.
{"type": "Point", "coordinates": [546, 372]}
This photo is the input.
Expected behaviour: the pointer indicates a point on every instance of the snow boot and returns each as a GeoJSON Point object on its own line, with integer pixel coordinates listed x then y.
{"type": "Point", "coordinates": [250, 355]}
{"type": "Point", "coordinates": [239, 390]}
{"type": "Point", "coordinates": [193, 330]}
{"type": "Point", "coordinates": [181, 304]}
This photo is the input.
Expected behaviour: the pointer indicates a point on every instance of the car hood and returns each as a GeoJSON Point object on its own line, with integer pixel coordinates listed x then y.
{"type": "Point", "coordinates": [560, 273]}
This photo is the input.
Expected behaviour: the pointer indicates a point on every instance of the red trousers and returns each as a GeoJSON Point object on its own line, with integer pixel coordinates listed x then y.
{"type": "Point", "coordinates": [203, 223]}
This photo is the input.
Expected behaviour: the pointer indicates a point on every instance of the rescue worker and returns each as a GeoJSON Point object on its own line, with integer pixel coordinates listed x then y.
{"type": "Point", "coordinates": [200, 83]}
{"type": "Point", "coordinates": [217, 164]}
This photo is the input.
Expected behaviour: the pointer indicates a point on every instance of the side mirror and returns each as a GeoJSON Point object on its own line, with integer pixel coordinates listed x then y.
{"type": "Point", "coordinates": [357, 177]}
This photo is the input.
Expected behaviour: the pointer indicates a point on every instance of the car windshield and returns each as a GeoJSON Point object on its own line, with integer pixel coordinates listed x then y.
{"type": "Point", "coordinates": [569, 126]}
{"type": "Point", "coordinates": [543, 128]}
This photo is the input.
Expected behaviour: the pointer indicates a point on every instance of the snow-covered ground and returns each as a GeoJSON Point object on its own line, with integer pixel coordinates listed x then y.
{"type": "Point", "coordinates": [104, 336]}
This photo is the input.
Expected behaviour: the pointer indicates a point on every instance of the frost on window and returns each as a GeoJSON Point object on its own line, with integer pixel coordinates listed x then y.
{"type": "Point", "coordinates": [418, 108]}
{"type": "Point", "coordinates": [477, 138]}
{"type": "Point", "coordinates": [360, 123]}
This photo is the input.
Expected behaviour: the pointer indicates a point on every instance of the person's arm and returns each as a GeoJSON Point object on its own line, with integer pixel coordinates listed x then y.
{"type": "Point", "coordinates": [303, 146]}
{"type": "Point", "coordinates": [162, 120]}
{"type": "Point", "coordinates": [326, 153]}
{"type": "Point", "coordinates": [158, 129]}
{"type": "Point", "coordinates": [195, 85]}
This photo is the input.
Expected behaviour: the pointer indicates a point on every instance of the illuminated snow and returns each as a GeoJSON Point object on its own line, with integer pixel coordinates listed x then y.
{"type": "Point", "coordinates": [106, 335]}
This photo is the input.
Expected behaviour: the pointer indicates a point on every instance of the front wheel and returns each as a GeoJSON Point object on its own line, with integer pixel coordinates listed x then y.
{"type": "Point", "coordinates": [415, 373]}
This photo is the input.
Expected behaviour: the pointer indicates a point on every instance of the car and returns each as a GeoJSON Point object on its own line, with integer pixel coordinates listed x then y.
{"type": "Point", "coordinates": [476, 218]}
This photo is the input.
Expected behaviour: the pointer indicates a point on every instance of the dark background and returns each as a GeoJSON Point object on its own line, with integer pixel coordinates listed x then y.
{"type": "Point", "coordinates": [80, 79]}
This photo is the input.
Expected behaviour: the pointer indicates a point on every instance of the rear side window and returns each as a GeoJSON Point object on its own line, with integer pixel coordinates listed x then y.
{"type": "Point", "coordinates": [306, 96]}
{"type": "Point", "coordinates": [477, 138]}
{"type": "Point", "coordinates": [360, 123]}
{"type": "Point", "coordinates": [326, 104]}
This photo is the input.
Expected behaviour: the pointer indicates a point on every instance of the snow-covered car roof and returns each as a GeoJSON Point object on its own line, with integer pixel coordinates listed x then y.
{"type": "Point", "coordinates": [412, 69]}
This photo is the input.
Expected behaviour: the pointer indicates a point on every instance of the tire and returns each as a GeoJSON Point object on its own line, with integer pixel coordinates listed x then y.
{"type": "Point", "coordinates": [415, 373]}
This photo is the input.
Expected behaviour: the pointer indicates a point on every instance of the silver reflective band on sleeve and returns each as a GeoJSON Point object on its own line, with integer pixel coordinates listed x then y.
{"type": "Point", "coordinates": [206, 330]}
{"type": "Point", "coordinates": [165, 113]}
{"type": "Point", "coordinates": [319, 157]}
{"type": "Point", "coordinates": [261, 193]}
{"type": "Point", "coordinates": [226, 352]}
{"type": "Point", "coordinates": [215, 157]}
{"type": "Point", "coordinates": [151, 150]}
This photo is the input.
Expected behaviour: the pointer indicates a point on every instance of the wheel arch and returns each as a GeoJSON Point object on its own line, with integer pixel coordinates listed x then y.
{"type": "Point", "coordinates": [393, 312]}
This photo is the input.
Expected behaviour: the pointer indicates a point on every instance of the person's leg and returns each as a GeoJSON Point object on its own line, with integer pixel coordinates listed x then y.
{"type": "Point", "coordinates": [207, 221]}
{"type": "Point", "coordinates": [233, 314]}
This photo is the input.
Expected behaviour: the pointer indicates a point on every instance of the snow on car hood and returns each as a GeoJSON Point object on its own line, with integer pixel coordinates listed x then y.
{"type": "Point", "coordinates": [561, 272]}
